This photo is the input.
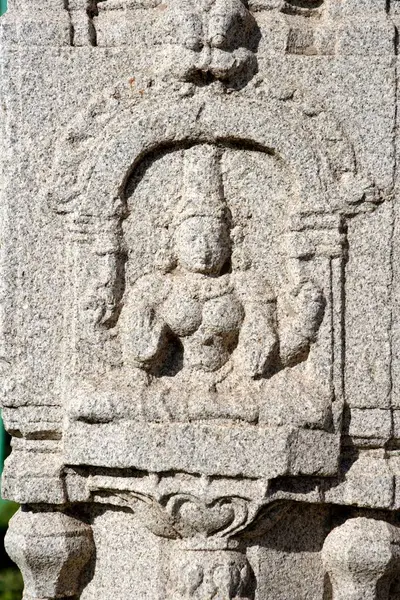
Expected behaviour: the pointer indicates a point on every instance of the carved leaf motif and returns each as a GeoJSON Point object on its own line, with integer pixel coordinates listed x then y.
{"type": "Point", "coordinates": [193, 517]}
{"type": "Point", "coordinates": [185, 516]}
{"type": "Point", "coordinates": [152, 513]}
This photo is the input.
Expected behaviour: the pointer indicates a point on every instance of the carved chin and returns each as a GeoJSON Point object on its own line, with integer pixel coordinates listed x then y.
{"type": "Point", "coordinates": [226, 64]}
{"type": "Point", "coordinates": [199, 266]}
{"type": "Point", "coordinates": [184, 64]}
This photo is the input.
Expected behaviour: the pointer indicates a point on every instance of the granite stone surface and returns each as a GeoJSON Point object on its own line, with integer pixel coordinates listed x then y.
{"type": "Point", "coordinates": [199, 298]}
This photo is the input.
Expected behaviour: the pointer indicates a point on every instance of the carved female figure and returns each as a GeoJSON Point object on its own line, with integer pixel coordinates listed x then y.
{"type": "Point", "coordinates": [201, 338]}
{"type": "Point", "coordinates": [203, 323]}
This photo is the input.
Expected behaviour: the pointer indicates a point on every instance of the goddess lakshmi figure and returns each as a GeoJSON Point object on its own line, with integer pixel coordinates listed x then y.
{"type": "Point", "coordinates": [201, 339]}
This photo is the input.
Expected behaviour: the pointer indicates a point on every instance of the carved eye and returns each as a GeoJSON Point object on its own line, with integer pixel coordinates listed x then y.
{"type": "Point", "coordinates": [193, 43]}
{"type": "Point", "coordinates": [219, 41]}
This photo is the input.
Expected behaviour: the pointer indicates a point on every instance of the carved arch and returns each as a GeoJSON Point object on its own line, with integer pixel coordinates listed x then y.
{"type": "Point", "coordinates": [96, 157]}
{"type": "Point", "coordinates": [107, 153]}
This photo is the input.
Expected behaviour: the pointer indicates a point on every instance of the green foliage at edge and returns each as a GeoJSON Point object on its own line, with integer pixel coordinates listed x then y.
{"type": "Point", "coordinates": [10, 584]}
{"type": "Point", "coordinates": [7, 510]}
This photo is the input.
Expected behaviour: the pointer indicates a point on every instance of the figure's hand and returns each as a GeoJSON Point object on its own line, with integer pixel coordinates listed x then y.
{"type": "Point", "coordinates": [257, 343]}
{"type": "Point", "coordinates": [143, 336]}
{"type": "Point", "coordinates": [301, 330]}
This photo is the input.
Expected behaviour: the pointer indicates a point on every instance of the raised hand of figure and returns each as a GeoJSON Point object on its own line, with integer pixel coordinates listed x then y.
{"type": "Point", "coordinates": [143, 336]}
{"type": "Point", "coordinates": [301, 324]}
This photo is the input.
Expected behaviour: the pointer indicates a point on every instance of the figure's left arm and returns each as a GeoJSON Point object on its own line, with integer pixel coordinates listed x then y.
{"type": "Point", "coordinates": [258, 340]}
{"type": "Point", "coordinates": [304, 315]}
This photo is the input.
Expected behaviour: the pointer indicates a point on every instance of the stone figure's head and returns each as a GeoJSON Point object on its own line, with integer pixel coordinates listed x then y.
{"type": "Point", "coordinates": [202, 244]}
{"type": "Point", "coordinates": [202, 219]}
{"type": "Point", "coordinates": [208, 40]}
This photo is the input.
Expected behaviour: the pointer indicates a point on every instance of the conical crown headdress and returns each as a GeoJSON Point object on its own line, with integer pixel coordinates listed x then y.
{"type": "Point", "coordinates": [203, 194]}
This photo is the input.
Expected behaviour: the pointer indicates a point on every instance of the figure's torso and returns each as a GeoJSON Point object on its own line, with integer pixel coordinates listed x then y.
{"type": "Point", "coordinates": [206, 315]}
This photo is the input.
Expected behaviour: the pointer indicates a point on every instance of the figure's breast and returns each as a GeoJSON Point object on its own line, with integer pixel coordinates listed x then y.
{"type": "Point", "coordinates": [182, 312]}
{"type": "Point", "coordinates": [211, 345]}
{"type": "Point", "coordinates": [190, 308]}
{"type": "Point", "coordinates": [222, 315]}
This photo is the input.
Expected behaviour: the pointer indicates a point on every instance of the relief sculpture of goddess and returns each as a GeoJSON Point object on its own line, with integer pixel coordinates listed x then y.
{"type": "Point", "coordinates": [201, 340]}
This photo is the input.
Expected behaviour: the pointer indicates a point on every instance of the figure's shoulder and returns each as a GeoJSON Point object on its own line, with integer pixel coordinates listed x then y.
{"type": "Point", "coordinates": [151, 288]}
{"type": "Point", "coordinates": [253, 285]}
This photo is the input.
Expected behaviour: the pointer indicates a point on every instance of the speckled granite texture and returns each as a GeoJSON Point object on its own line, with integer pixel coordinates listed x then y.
{"type": "Point", "coordinates": [199, 298]}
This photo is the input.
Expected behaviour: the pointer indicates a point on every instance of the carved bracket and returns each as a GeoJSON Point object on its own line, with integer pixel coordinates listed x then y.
{"type": "Point", "coordinates": [207, 560]}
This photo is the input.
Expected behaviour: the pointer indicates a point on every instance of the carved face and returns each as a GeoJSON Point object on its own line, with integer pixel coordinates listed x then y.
{"type": "Point", "coordinates": [202, 245]}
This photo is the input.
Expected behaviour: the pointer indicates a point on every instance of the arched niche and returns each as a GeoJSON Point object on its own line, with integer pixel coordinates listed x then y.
{"type": "Point", "coordinates": [100, 166]}
{"type": "Point", "coordinates": [94, 161]}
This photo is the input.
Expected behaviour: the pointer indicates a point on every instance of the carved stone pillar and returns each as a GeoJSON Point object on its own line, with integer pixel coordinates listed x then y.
{"type": "Point", "coordinates": [362, 557]}
{"type": "Point", "coordinates": [199, 283]}
{"type": "Point", "coordinates": [53, 552]}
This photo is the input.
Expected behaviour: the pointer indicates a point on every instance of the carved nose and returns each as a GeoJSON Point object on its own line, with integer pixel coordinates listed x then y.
{"type": "Point", "coordinates": [219, 28]}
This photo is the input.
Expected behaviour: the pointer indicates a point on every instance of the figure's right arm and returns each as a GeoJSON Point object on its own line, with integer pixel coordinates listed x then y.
{"type": "Point", "coordinates": [143, 331]}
